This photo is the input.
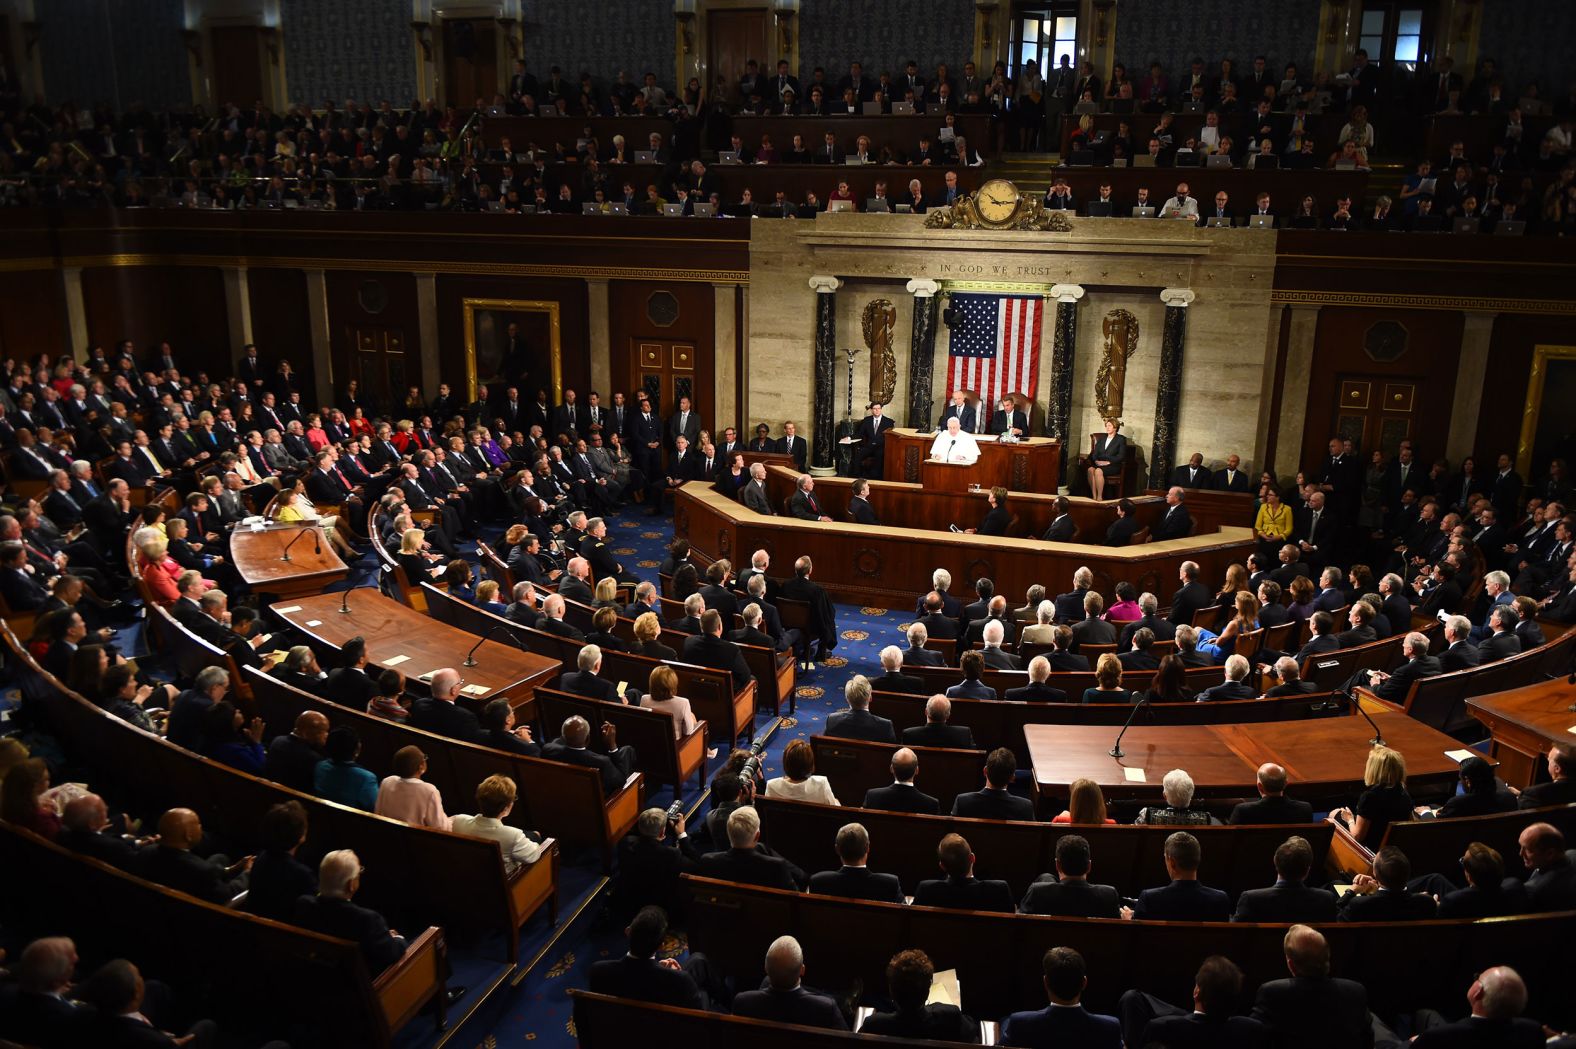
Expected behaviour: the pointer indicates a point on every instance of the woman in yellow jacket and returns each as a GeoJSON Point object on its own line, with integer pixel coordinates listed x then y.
{"type": "Point", "coordinates": [1273, 524]}
{"type": "Point", "coordinates": [294, 508]}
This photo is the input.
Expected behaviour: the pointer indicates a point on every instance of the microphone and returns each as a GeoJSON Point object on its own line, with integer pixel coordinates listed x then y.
{"type": "Point", "coordinates": [317, 543]}
{"type": "Point", "coordinates": [951, 445]}
{"type": "Point", "coordinates": [470, 657]}
{"type": "Point", "coordinates": [1346, 693]}
{"type": "Point", "coordinates": [344, 602]}
{"type": "Point", "coordinates": [1116, 748]}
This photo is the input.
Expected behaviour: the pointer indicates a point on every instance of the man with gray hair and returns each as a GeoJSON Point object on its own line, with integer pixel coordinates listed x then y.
{"type": "Point", "coordinates": [754, 495]}
{"type": "Point", "coordinates": [689, 622]}
{"type": "Point", "coordinates": [785, 998]}
{"type": "Point", "coordinates": [1163, 628]}
{"type": "Point", "coordinates": [586, 680]}
{"type": "Point", "coordinates": [1497, 999]}
{"type": "Point", "coordinates": [996, 658]}
{"type": "Point", "coordinates": [803, 504]}
{"type": "Point", "coordinates": [576, 582]}
{"type": "Point", "coordinates": [42, 1012]}
{"type": "Point", "coordinates": [616, 763]}
{"type": "Point", "coordinates": [936, 732]}
{"type": "Point", "coordinates": [522, 609]}
{"type": "Point", "coordinates": [1039, 689]}
{"type": "Point", "coordinates": [1460, 653]}
{"type": "Point", "coordinates": [552, 619]}
{"type": "Point", "coordinates": [1070, 606]}
{"type": "Point", "coordinates": [916, 654]}
{"type": "Point", "coordinates": [743, 861]}
{"type": "Point", "coordinates": [854, 880]}
{"type": "Point", "coordinates": [1235, 686]}
{"type": "Point", "coordinates": [1290, 677]}
{"type": "Point", "coordinates": [1395, 685]}
{"type": "Point", "coordinates": [940, 582]}
{"type": "Point", "coordinates": [333, 913]}
{"type": "Point", "coordinates": [649, 864]}
{"type": "Point", "coordinates": [892, 678]}
{"type": "Point", "coordinates": [857, 722]}
{"type": "Point", "coordinates": [1496, 587]}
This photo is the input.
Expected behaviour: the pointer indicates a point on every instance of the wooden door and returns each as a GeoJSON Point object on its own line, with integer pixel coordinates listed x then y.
{"type": "Point", "coordinates": [1377, 411]}
{"type": "Point", "coordinates": [470, 61]}
{"type": "Point", "coordinates": [666, 371]}
{"type": "Point", "coordinates": [378, 363]}
{"type": "Point", "coordinates": [733, 37]}
{"type": "Point", "coordinates": [237, 65]}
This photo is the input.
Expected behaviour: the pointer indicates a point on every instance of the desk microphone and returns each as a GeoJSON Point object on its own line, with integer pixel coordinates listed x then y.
{"type": "Point", "coordinates": [951, 446]}
{"type": "Point", "coordinates": [316, 542]}
{"type": "Point", "coordinates": [1346, 693]}
{"type": "Point", "coordinates": [344, 602]}
{"type": "Point", "coordinates": [1142, 704]}
{"type": "Point", "coordinates": [470, 657]}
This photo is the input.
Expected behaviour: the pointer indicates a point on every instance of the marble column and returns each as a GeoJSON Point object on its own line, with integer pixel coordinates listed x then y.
{"type": "Point", "coordinates": [922, 352]}
{"type": "Point", "coordinates": [823, 447]}
{"type": "Point", "coordinates": [318, 326]}
{"type": "Point", "coordinates": [1168, 395]}
{"type": "Point", "coordinates": [427, 331]}
{"type": "Point", "coordinates": [1300, 338]}
{"type": "Point", "coordinates": [76, 312]}
{"type": "Point", "coordinates": [600, 338]}
{"type": "Point", "coordinates": [725, 339]}
{"type": "Point", "coordinates": [1059, 406]}
{"type": "Point", "coordinates": [237, 307]}
{"type": "Point", "coordinates": [1476, 331]}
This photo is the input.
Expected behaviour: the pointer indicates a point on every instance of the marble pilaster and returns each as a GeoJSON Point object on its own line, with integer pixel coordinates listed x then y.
{"type": "Point", "coordinates": [921, 352]}
{"type": "Point", "coordinates": [823, 448]}
{"type": "Point", "coordinates": [1059, 405]}
{"type": "Point", "coordinates": [1168, 395]}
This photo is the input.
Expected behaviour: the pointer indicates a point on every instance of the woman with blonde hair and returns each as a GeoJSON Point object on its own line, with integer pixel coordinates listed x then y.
{"type": "Point", "coordinates": [606, 593]}
{"type": "Point", "coordinates": [295, 508]}
{"type": "Point", "coordinates": [648, 628]}
{"type": "Point", "coordinates": [1108, 672]}
{"type": "Point", "coordinates": [1385, 801]}
{"type": "Point", "coordinates": [1236, 579]}
{"type": "Point", "coordinates": [1085, 805]}
{"type": "Point", "coordinates": [159, 571]}
{"type": "Point", "coordinates": [662, 688]}
{"type": "Point", "coordinates": [799, 781]}
{"type": "Point", "coordinates": [412, 560]}
{"type": "Point", "coordinates": [1244, 621]}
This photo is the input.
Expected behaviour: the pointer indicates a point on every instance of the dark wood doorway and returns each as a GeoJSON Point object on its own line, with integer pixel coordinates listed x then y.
{"type": "Point", "coordinates": [666, 370]}
{"type": "Point", "coordinates": [470, 60]}
{"type": "Point", "coordinates": [237, 65]}
{"type": "Point", "coordinates": [378, 364]}
{"type": "Point", "coordinates": [733, 37]}
{"type": "Point", "coordinates": [1377, 411]}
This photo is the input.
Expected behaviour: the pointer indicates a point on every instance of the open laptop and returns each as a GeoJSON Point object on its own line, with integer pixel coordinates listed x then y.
{"type": "Point", "coordinates": [618, 208]}
{"type": "Point", "coordinates": [1346, 165]}
{"type": "Point", "coordinates": [1086, 107]}
{"type": "Point", "coordinates": [1218, 160]}
{"type": "Point", "coordinates": [705, 211]}
{"type": "Point", "coordinates": [903, 109]}
{"type": "Point", "coordinates": [728, 156]}
{"type": "Point", "coordinates": [905, 209]}
{"type": "Point", "coordinates": [1193, 105]}
{"type": "Point", "coordinates": [853, 160]}
{"type": "Point", "coordinates": [839, 205]}
{"type": "Point", "coordinates": [645, 156]}
{"type": "Point", "coordinates": [1081, 158]}
{"type": "Point", "coordinates": [876, 204]}
{"type": "Point", "coordinates": [1217, 222]}
{"type": "Point", "coordinates": [1143, 160]}
{"type": "Point", "coordinates": [1145, 212]}
{"type": "Point", "coordinates": [1466, 226]}
{"type": "Point", "coordinates": [495, 111]}
{"type": "Point", "coordinates": [1186, 158]}
{"type": "Point", "coordinates": [1261, 221]}
{"type": "Point", "coordinates": [528, 209]}
{"type": "Point", "coordinates": [495, 205]}
{"type": "Point", "coordinates": [1098, 209]}
{"type": "Point", "coordinates": [1509, 228]}
{"type": "Point", "coordinates": [590, 208]}
{"type": "Point", "coordinates": [871, 109]}
{"type": "Point", "coordinates": [673, 211]}
{"type": "Point", "coordinates": [1263, 162]}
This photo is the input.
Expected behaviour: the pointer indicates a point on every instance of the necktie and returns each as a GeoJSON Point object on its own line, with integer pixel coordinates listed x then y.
{"type": "Point", "coordinates": [1314, 528]}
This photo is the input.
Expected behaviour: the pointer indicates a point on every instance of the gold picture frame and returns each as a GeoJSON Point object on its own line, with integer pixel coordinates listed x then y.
{"type": "Point", "coordinates": [554, 338]}
{"type": "Point", "coordinates": [1541, 357]}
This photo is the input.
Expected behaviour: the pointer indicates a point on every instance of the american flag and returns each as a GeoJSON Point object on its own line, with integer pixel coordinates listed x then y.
{"type": "Point", "coordinates": [996, 349]}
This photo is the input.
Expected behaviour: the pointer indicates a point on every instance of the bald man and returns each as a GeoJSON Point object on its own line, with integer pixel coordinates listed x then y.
{"type": "Point", "coordinates": [1497, 998]}
{"type": "Point", "coordinates": [1312, 1009]}
{"type": "Point", "coordinates": [902, 795]}
{"type": "Point", "coordinates": [292, 759]}
{"type": "Point", "coordinates": [86, 830]}
{"type": "Point", "coordinates": [572, 747]}
{"type": "Point", "coordinates": [785, 998]}
{"type": "Point", "coordinates": [171, 863]}
{"type": "Point", "coordinates": [1273, 806]}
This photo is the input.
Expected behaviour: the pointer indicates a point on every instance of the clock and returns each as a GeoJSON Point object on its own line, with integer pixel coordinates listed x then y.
{"type": "Point", "coordinates": [997, 203]}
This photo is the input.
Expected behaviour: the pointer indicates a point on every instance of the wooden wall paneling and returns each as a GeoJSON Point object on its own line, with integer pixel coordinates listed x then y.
{"type": "Point", "coordinates": [1505, 384]}
{"type": "Point", "coordinates": [280, 325]}
{"type": "Point", "coordinates": [147, 304]}
{"type": "Point", "coordinates": [237, 65]}
{"type": "Point", "coordinates": [1358, 345]}
{"type": "Point", "coordinates": [574, 331]}
{"type": "Point", "coordinates": [637, 312]}
{"type": "Point", "coordinates": [379, 305]}
{"type": "Point", "coordinates": [33, 315]}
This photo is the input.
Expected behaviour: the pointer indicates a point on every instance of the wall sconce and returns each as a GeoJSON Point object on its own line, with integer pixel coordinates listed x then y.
{"type": "Point", "coordinates": [507, 25]}
{"type": "Point", "coordinates": [193, 41]}
{"type": "Point", "coordinates": [1102, 20]}
{"type": "Point", "coordinates": [686, 20]}
{"type": "Point", "coordinates": [987, 26]}
{"type": "Point", "coordinates": [423, 37]}
{"type": "Point", "coordinates": [270, 37]}
{"type": "Point", "coordinates": [1337, 19]}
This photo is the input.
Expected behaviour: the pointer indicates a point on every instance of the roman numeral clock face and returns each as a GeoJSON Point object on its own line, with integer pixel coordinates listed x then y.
{"type": "Point", "coordinates": [997, 203]}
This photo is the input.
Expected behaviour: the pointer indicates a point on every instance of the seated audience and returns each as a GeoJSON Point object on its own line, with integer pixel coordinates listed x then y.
{"type": "Point", "coordinates": [854, 880]}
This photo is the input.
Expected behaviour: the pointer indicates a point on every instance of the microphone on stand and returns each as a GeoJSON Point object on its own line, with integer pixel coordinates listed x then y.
{"type": "Point", "coordinates": [1378, 739]}
{"type": "Point", "coordinates": [316, 542]}
{"type": "Point", "coordinates": [1143, 703]}
{"type": "Point", "coordinates": [344, 602]}
{"type": "Point", "coordinates": [470, 657]}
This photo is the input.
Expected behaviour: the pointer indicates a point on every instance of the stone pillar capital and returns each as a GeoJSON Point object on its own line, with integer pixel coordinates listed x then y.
{"type": "Point", "coordinates": [825, 284]}
{"type": "Point", "coordinates": [1067, 292]}
{"type": "Point", "coordinates": [1177, 296]}
{"type": "Point", "coordinates": [923, 288]}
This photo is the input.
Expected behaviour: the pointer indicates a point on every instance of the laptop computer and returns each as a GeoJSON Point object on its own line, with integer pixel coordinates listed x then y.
{"type": "Point", "coordinates": [1098, 209]}
{"type": "Point", "coordinates": [673, 211]}
{"type": "Point", "coordinates": [1217, 222]}
{"type": "Point", "coordinates": [590, 208]}
{"type": "Point", "coordinates": [853, 161]}
{"type": "Point", "coordinates": [1081, 158]}
{"type": "Point", "coordinates": [871, 109]}
{"type": "Point", "coordinates": [903, 109]}
{"type": "Point", "coordinates": [495, 205]}
{"type": "Point", "coordinates": [645, 156]}
{"type": "Point", "coordinates": [1186, 158]}
{"type": "Point", "coordinates": [1145, 212]}
{"type": "Point", "coordinates": [528, 209]}
{"type": "Point", "coordinates": [1466, 226]}
{"type": "Point", "coordinates": [1192, 105]}
{"type": "Point", "coordinates": [728, 156]}
{"type": "Point", "coordinates": [705, 211]}
{"type": "Point", "coordinates": [839, 205]}
{"type": "Point", "coordinates": [1218, 160]}
{"type": "Point", "coordinates": [1143, 160]}
{"type": "Point", "coordinates": [1265, 162]}
{"type": "Point", "coordinates": [495, 111]}
{"type": "Point", "coordinates": [1346, 165]}
{"type": "Point", "coordinates": [1261, 221]}
{"type": "Point", "coordinates": [1509, 228]}
{"type": "Point", "coordinates": [1086, 107]}
{"type": "Point", "coordinates": [618, 209]}
{"type": "Point", "coordinates": [877, 204]}
{"type": "Point", "coordinates": [905, 209]}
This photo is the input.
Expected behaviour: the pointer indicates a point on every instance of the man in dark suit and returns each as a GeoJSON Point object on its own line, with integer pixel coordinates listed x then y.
{"type": "Point", "coordinates": [785, 999]}
{"type": "Point", "coordinates": [1323, 640]}
{"type": "Point", "coordinates": [872, 431]}
{"type": "Point", "coordinates": [892, 678]}
{"type": "Point", "coordinates": [1038, 690]}
{"type": "Point", "coordinates": [441, 713]}
{"type": "Point", "coordinates": [1395, 685]}
{"type": "Point", "coordinates": [854, 880]}
{"type": "Point", "coordinates": [293, 758]}
{"type": "Point", "coordinates": [993, 801]}
{"type": "Point", "coordinates": [1289, 899]}
{"type": "Point", "coordinates": [1064, 1022]}
{"type": "Point", "coordinates": [586, 680]}
{"type": "Point", "coordinates": [710, 649]}
{"type": "Point", "coordinates": [859, 509]}
{"type": "Point", "coordinates": [1163, 629]}
{"type": "Point", "coordinates": [1191, 596]}
{"type": "Point", "coordinates": [1175, 522]}
{"type": "Point", "coordinates": [1069, 893]}
{"type": "Point", "coordinates": [171, 863]}
{"type": "Point", "coordinates": [937, 623]}
{"type": "Point", "coordinates": [959, 408]}
{"type": "Point", "coordinates": [1382, 896]}
{"type": "Point", "coordinates": [1232, 478]}
{"type": "Point", "coordinates": [1142, 654]}
{"type": "Point", "coordinates": [1070, 606]}
{"type": "Point", "coordinates": [1009, 418]}
{"type": "Point", "coordinates": [742, 861]}
{"type": "Point", "coordinates": [1147, 1020]}
{"type": "Point", "coordinates": [996, 658]}
{"type": "Point", "coordinates": [1185, 899]}
{"type": "Point", "coordinates": [1496, 997]}
{"type": "Point", "coordinates": [1194, 474]}
{"type": "Point", "coordinates": [1060, 657]}
{"type": "Point", "coordinates": [1314, 531]}
{"type": "Point", "coordinates": [333, 913]}
{"type": "Point", "coordinates": [1272, 806]}
{"type": "Point", "coordinates": [1062, 527]}
{"type": "Point", "coordinates": [552, 619]}
{"type": "Point", "coordinates": [1503, 642]}
{"type": "Point", "coordinates": [960, 889]}
{"type": "Point", "coordinates": [916, 654]}
{"type": "Point", "coordinates": [857, 722]}
{"type": "Point", "coordinates": [1505, 489]}
{"type": "Point", "coordinates": [1236, 684]}
{"type": "Point", "coordinates": [571, 748]}
{"type": "Point", "coordinates": [1313, 1009]}
{"type": "Point", "coordinates": [1561, 788]}
{"type": "Point", "coordinates": [936, 732]}
{"type": "Point", "coordinates": [793, 445]}
{"type": "Point", "coordinates": [638, 975]}
{"type": "Point", "coordinates": [901, 795]}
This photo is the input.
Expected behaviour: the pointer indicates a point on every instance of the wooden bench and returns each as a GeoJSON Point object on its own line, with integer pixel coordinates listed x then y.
{"type": "Point", "coordinates": [1072, 682]}
{"type": "Point", "coordinates": [1331, 670]}
{"type": "Point", "coordinates": [999, 723]}
{"type": "Point", "coordinates": [560, 800]}
{"type": "Point", "coordinates": [1132, 858]}
{"type": "Point", "coordinates": [1440, 701]}
{"type": "Point", "coordinates": [998, 955]}
{"type": "Point", "coordinates": [1437, 845]}
{"type": "Point", "coordinates": [220, 957]}
{"type": "Point", "coordinates": [660, 757]}
{"type": "Point", "coordinates": [854, 766]}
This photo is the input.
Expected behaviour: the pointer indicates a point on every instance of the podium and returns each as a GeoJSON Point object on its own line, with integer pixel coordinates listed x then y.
{"type": "Point", "coordinates": [1032, 464]}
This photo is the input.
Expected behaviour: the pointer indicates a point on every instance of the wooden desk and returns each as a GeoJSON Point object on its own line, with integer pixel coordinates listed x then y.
{"type": "Point", "coordinates": [311, 566]}
{"type": "Point", "coordinates": [1032, 465]}
{"type": "Point", "coordinates": [1324, 758]}
{"type": "Point", "coordinates": [392, 629]}
{"type": "Point", "coordinates": [1525, 722]}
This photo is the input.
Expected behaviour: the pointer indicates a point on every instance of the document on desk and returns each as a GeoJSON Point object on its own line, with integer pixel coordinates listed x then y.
{"type": "Point", "coordinates": [1458, 756]}
{"type": "Point", "coordinates": [394, 661]}
{"type": "Point", "coordinates": [285, 610]}
{"type": "Point", "coordinates": [1135, 775]}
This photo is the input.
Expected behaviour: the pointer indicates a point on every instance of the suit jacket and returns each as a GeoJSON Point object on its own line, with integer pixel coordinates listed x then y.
{"type": "Point", "coordinates": [1187, 600]}
{"type": "Point", "coordinates": [856, 883]}
{"type": "Point", "coordinates": [1387, 905]}
{"type": "Point", "coordinates": [643, 980]}
{"type": "Point", "coordinates": [753, 496]}
{"type": "Point", "coordinates": [1062, 530]}
{"type": "Point", "coordinates": [923, 657]}
{"type": "Point", "coordinates": [293, 761]}
{"type": "Point", "coordinates": [997, 658]}
{"type": "Point", "coordinates": [860, 724]}
{"type": "Point", "coordinates": [446, 719]}
{"type": "Point", "coordinates": [1072, 898]}
{"type": "Point", "coordinates": [1228, 690]}
{"type": "Point", "coordinates": [797, 447]}
{"type": "Point", "coordinates": [1286, 902]}
{"type": "Point", "coordinates": [749, 867]}
{"type": "Point", "coordinates": [1240, 483]}
{"type": "Point", "coordinates": [988, 804]}
{"type": "Point", "coordinates": [902, 683]}
{"type": "Point", "coordinates": [1093, 632]}
{"type": "Point", "coordinates": [1202, 1031]}
{"type": "Point", "coordinates": [957, 737]}
{"type": "Point", "coordinates": [965, 416]}
{"type": "Point", "coordinates": [939, 1022]}
{"type": "Point", "coordinates": [585, 683]}
{"type": "Point", "coordinates": [180, 870]}
{"type": "Point", "coordinates": [900, 797]}
{"type": "Point", "coordinates": [1399, 683]}
{"type": "Point", "coordinates": [939, 626]}
{"type": "Point", "coordinates": [1061, 1026]}
{"type": "Point", "coordinates": [805, 506]}
{"type": "Point", "coordinates": [966, 894]}
{"type": "Point", "coordinates": [798, 1006]}
{"type": "Point", "coordinates": [1303, 1013]}
{"type": "Point", "coordinates": [1476, 1032]}
{"type": "Point", "coordinates": [1175, 523]}
{"type": "Point", "coordinates": [1164, 630]}
{"type": "Point", "coordinates": [718, 654]}
{"type": "Point", "coordinates": [1274, 808]}
{"type": "Point", "coordinates": [1184, 901]}
{"type": "Point", "coordinates": [1036, 692]}
{"type": "Point", "coordinates": [1498, 646]}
